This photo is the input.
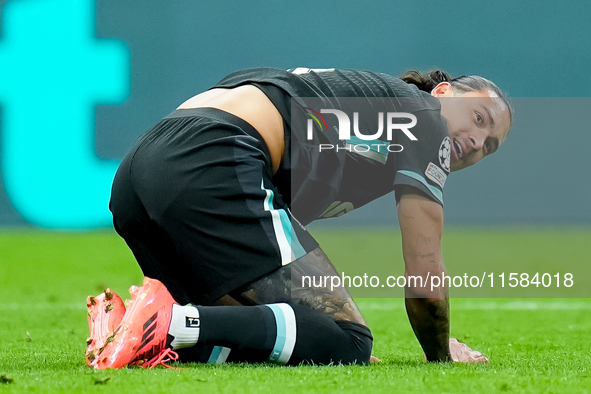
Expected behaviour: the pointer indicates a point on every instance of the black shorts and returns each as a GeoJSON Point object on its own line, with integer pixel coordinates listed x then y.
{"type": "Point", "coordinates": [195, 202]}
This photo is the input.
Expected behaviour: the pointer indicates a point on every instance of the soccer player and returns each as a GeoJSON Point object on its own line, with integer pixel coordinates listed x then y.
{"type": "Point", "coordinates": [213, 201]}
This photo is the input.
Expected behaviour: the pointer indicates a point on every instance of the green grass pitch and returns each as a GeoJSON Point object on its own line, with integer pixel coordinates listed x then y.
{"type": "Point", "coordinates": [535, 345]}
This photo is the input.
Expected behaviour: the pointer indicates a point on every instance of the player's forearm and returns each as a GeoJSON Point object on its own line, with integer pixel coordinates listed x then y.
{"type": "Point", "coordinates": [427, 306]}
{"type": "Point", "coordinates": [421, 224]}
{"type": "Point", "coordinates": [429, 319]}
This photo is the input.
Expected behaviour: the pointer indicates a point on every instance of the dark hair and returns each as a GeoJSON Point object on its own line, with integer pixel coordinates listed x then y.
{"type": "Point", "coordinates": [463, 84]}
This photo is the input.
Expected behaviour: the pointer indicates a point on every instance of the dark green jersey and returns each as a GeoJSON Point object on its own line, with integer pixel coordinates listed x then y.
{"type": "Point", "coordinates": [326, 173]}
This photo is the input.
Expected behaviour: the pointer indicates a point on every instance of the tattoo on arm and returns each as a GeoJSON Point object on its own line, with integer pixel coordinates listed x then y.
{"type": "Point", "coordinates": [430, 322]}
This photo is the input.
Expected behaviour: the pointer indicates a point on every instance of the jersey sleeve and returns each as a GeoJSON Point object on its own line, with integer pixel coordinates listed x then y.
{"type": "Point", "coordinates": [425, 163]}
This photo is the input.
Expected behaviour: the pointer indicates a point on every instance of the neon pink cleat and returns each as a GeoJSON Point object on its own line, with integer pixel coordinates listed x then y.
{"type": "Point", "coordinates": [141, 338]}
{"type": "Point", "coordinates": [105, 313]}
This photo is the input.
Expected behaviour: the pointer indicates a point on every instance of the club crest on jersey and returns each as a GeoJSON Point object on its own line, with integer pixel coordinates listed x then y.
{"type": "Point", "coordinates": [444, 155]}
{"type": "Point", "coordinates": [436, 174]}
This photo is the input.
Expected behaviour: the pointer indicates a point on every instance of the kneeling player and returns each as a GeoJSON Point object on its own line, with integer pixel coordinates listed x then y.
{"type": "Point", "coordinates": [205, 199]}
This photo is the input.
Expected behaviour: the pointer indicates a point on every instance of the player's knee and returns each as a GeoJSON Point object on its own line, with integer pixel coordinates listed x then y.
{"type": "Point", "coordinates": [358, 350]}
{"type": "Point", "coordinates": [322, 340]}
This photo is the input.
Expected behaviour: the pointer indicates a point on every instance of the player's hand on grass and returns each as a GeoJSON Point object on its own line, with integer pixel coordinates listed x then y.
{"type": "Point", "coordinates": [461, 353]}
{"type": "Point", "coordinates": [374, 359]}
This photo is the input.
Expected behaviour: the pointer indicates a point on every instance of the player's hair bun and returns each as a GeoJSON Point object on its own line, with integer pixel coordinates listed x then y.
{"type": "Point", "coordinates": [462, 84]}
{"type": "Point", "coordinates": [426, 81]}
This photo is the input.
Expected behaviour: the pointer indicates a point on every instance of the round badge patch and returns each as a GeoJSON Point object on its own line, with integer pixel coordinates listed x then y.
{"type": "Point", "coordinates": [445, 154]}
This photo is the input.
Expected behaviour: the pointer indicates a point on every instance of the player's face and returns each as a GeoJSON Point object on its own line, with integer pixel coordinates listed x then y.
{"type": "Point", "coordinates": [478, 123]}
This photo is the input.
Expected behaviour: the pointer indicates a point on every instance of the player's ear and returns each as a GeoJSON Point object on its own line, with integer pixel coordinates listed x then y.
{"type": "Point", "coordinates": [443, 89]}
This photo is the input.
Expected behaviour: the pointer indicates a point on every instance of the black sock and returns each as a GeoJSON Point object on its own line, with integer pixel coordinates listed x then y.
{"type": "Point", "coordinates": [280, 333]}
{"type": "Point", "coordinates": [246, 329]}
